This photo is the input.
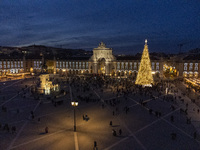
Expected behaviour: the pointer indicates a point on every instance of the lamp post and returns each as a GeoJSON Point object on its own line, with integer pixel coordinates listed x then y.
{"type": "Point", "coordinates": [75, 103]}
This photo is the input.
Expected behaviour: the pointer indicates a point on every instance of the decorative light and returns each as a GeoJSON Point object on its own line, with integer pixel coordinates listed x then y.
{"type": "Point", "coordinates": [74, 103]}
{"type": "Point", "coordinates": [144, 76]}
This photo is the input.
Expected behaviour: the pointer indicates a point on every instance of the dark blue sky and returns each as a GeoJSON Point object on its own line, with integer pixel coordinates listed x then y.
{"type": "Point", "coordinates": [122, 24]}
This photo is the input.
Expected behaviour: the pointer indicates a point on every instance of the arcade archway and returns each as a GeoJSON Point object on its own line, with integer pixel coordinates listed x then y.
{"type": "Point", "coordinates": [101, 66]}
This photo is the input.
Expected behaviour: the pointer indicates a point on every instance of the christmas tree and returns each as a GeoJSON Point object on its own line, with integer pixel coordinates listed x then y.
{"type": "Point", "coordinates": [144, 76]}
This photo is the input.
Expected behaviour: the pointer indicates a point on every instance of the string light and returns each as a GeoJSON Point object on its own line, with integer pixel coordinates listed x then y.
{"type": "Point", "coordinates": [144, 76]}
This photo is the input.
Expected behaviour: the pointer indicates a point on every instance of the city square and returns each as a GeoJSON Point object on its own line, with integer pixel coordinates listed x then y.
{"type": "Point", "coordinates": [143, 115]}
{"type": "Point", "coordinates": [100, 75]}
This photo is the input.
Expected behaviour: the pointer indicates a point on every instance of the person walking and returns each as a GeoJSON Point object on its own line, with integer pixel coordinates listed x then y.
{"type": "Point", "coordinates": [110, 123]}
{"type": "Point", "coordinates": [114, 132]}
{"type": "Point", "coordinates": [172, 118]}
{"type": "Point", "coordinates": [120, 131]}
{"type": "Point", "coordinates": [13, 129]}
{"type": "Point", "coordinates": [195, 135]}
{"type": "Point", "coordinates": [46, 130]}
{"type": "Point", "coordinates": [95, 145]}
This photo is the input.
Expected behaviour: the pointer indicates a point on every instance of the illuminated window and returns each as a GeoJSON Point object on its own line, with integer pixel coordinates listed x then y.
{"type": "Point", "coordinates": [126, 65]}
{"type": "Point", "coordinates": [118, 65]}
{"type": "Point", "coordinates": [15, 64]}
{"type": "Point", "coordinates": [185, 74]}
{"type": "Point", "coordinates": [196, 66]}
{"type": "Point", "coordinates": [157, 66]}
{"type": "Point", "coordinates": [130, 67]}
{"type": "Point", "coordinates": [83, 65]}
{"type": "Point", "coordinates": [8, 64]}
{"type": "Point", "coordinates": [4, 64]}
{"type": "Point", "coordinates": [86, 65]}
{"type": "Point", "coordinates": [138, 65]}
{"type": "Point", "coordinates": [0, 64]}
{"type": "Point", "coordinates": [76, 65]}
{"type": "Point", "coordinates": [73, 64]}
{"type": "Point", "coordinates": [196, 74]}
{"type": "Point", "coordinates": [63, 64]}
{"type": "Point", "coordinates": [60, 64]}
{"type": "Point", "coordinates": [66, 64]}
{"type": "Point", "coordinates": [185, 66]}
{"type": "Point", "coordinates": [12, 64]}
{"type": "Point", "coordinates": [57, 64]}
{"type": "Point", "coordinates": [22, 64]}
{"type": "Point", "coordinates": [191, 66]}
{"type": "Point", "coordinates": [38, 64]}
{"type": "Point", "coordinates": [152, 65]}
{"type": "Point", "coordinates": [18, 64]}
{"type": "Point", "coordinates": [122, 65]}
{"type": "Point", "coordinates": [35, 64]}
{"type": "Point", "coordinates": [135, 65]}
{"type": "Point", "coordinates": [79, 65]}
{"type": "Point", "coordinates": [70, 65]}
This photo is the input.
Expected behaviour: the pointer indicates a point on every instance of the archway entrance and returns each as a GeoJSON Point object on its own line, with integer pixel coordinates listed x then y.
{"type": "Point", "coordinates": [101, 66]}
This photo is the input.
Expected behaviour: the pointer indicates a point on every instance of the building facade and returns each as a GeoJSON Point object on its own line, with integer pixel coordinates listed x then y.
{"type": "Point", "coordinates": [101, 62]}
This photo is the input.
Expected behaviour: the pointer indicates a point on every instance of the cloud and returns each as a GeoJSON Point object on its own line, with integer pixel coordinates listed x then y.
{"type": "Point", "coordinates": [122, 25]}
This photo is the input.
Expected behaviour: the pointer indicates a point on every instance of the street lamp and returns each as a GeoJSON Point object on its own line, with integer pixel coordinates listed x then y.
{"type": "Point", "coordinates": [75, 103]}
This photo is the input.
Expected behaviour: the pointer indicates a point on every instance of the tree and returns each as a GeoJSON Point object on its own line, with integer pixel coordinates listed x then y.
{"type": "Point", "coordinates": [144, 76]}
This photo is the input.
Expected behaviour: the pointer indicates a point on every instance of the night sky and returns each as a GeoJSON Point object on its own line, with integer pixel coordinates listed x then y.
{"type": "Point", "coordinates": [121, 24]}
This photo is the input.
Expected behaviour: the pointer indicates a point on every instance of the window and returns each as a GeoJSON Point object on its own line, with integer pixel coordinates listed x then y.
{"type": "Point", "coordinates": [11, 64]}
{"type": "Point", "coordinates": [157, 66]}
{"type": "Point", "coordinates": [0, 64]}
{"type": "Point", "coordinates": [8, 64]}
{"type": "Point", "coordinates": [83, 65]}
{"type": "Point", "coordinates": [66, 64]}
{"type": "Point", "coordinates": [191, 66]}
{"type": "Point", "coordinates": [63, 64]}
{"type": "Point", "coordinates": [196, 66]}
{"type": "Point", "coordinates": [135, 65]}
{"type": "Point", "coordinates": [70, 65]}
{"type": "Point", "coordinates": [152, 66]}
{"type": "Point", "coordinates": [126, 65]}
{"type": "Point", "coordinates": [122, 65]}
{"type": "Point", "coordinates": [79, 65]}
{"type": "Point", "coordinates": [118, 65]}
{"type": "Point", "coordinates": [38, 64]}
{"type": "Point", "coordinates": [60, 64]}
{"type": "Point", "coordinates": [22, 64]}
{"type": "Point", "coordinates": [4, 64]}
{"type": "Point", "coordinates": [15, 64]}
{"type": "Point", "coordinates": [34, 64]}
{"type": "Point", "coordinates": [73, 64]}
{"type": "Point", "coordinates": [86, 65]}
{"type": "Point", "coordinates": [185, 66]}
{"type": "Point", "coordinates": [76, 65]}
{"type": "Point", "coordinates": [130, 67]}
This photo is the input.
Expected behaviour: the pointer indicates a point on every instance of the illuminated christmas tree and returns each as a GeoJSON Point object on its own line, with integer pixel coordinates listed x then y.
{"type": "Point", "coordinates": [144, 76]}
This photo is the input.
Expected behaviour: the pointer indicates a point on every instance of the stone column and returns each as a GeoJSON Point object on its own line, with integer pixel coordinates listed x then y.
{"type": "Point", "coordinates": [95, 68]}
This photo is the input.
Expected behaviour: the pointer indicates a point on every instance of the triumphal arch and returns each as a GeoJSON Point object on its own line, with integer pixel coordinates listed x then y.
{"type": "Point", "coordinates": [102, 60]}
